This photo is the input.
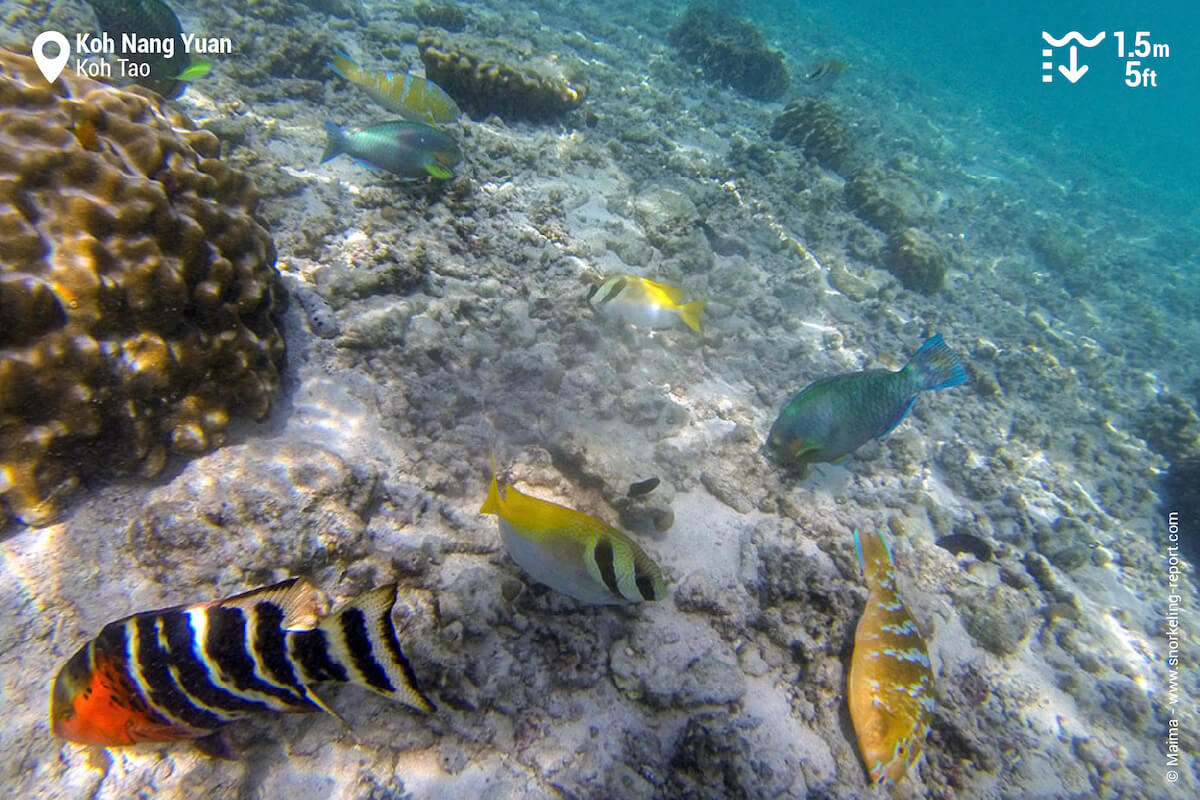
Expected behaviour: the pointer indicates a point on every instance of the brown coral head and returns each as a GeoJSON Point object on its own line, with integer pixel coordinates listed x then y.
{"type": "Point", "coordinates": [137, 289]}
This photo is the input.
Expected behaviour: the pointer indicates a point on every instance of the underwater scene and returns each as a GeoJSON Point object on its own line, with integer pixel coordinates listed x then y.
{"type": "Point", "coordinates": [599, 400]}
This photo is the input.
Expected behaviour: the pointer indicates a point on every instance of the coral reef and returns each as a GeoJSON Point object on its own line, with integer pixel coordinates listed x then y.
{"type": "Point", "coordinates": [485, 86]}
{"type": "Point", "coordinates": [730, 51]}
{"type": "Point", "coordinates": [887, 199]}
{"type": "Point", "coordinates": [137, 289]}
{"type": "Point", "coordinates": [817, 128]}
{"type": "Point", "coordinates": [915, 257]}
{"type": "Point", "coordinates": [446, 16]}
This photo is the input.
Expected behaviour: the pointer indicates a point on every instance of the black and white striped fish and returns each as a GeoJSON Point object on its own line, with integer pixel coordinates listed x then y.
{"type": "Point", "coordinates": [184, 672]}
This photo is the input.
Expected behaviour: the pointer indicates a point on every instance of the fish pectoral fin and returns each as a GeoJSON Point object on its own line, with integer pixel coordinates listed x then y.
{"type": "Point", "coordinates": [217, 745]}
{"type": "Point", "coordinates": [438, 171]}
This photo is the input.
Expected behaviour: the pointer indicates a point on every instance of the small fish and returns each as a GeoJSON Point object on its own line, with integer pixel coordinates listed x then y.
{"type": "Point", "coordinates": [196, 71]}
{"type": "Point", "coordinates": [150, 20]}
{"type": "Point", "coordinates": [572, 552]}
{"type": "Point", "coordinates": [411, 96]}
{"type": "Point", "coordinates": [408, 149]}
{"type": "Point", "coordinates": [891, 682]}
{"type": "Point", "coordinates": [186, 671]}
{"type": "Point", "coordinates": [831, 418]}
{"type": "Point", "coordinates": [825, 68]}
{"type": "Point", "coordinates": [644, 302]}
{"type": "Point", "coordinates": [643, 487]}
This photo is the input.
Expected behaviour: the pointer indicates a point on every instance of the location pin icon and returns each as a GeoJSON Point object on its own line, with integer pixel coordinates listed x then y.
{"type": "Point", "coordinates": [51, 67]}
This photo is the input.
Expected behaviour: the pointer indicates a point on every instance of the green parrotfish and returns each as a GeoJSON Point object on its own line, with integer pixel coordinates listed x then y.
{"type": "Point", "coordinates": [831, 418]}
{"type": "Point", "coordinates": [408, 149]}
{"type": "Point", "coordinates": [148, 21]}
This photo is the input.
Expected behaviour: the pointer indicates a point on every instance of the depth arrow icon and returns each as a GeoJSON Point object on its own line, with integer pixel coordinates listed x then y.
{"type": "Point", "coordinates": [1075, 72]}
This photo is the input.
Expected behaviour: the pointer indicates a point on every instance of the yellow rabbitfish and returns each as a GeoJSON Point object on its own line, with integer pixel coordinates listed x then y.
{"type": "Point", "coordinates": [572, 552]}
{"type": "Point", "coordinates": [891, 682]}
{"type": "Point", "coordinates": [411, 96]}
{"type": "Point", "coordinates": [644, 302]}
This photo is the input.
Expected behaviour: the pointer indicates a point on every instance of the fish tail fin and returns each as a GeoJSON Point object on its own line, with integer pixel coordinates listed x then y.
{"type": "Point", "coordinates": [335, 141]}
{"type": "Point", "coordinates": [491, 504]}
{"type": "Point", "coordinates": [690, 312]}
{"type": "Point", "coordinates": [873, 552]}
{"type": "Point", "coordinates": [361, 638]}
{"type": "Point", "coordinates": [935, 366]}
{"type": "Point", "coordinates": [343, 65]}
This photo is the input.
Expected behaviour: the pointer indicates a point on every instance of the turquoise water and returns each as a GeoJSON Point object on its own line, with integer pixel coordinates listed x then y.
{"type": "Point", "coordinates": [632, 269]}
{"type": "Point", "coordinates": [990, 54]}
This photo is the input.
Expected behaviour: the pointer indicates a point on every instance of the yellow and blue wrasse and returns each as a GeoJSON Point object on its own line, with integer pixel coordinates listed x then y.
{"type": "Point", "coordinates": [891, 681]}
{"type": "Point", "coordinates": [186, 671]}
{"type": "Point", "coordinates": [572, 552]}
{"type": "Point", "coordinates": [411, 96]}
{"type": "Point", "coordinates": [644, 302]}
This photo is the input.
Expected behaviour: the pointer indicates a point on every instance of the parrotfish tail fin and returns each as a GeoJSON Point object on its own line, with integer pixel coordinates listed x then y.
{"type": "Point", "coordinates": [690, 313]}
{"type": "Point", "coordinates": [335, 141]}
{"type": "Point", "coordinates": [935, 366]}
{"type": "Point", "coordinates": [343, 65]}
{"type": "Point", "coordinates": [873, 552]}
{"type": "Point", "coordinates": [361, 639]}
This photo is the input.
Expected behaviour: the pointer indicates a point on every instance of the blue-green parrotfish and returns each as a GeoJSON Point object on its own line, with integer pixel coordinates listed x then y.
{"type": "Point", "coordinates": [831, 418]}
{"type": "Point", "coordinates": [408, 149]}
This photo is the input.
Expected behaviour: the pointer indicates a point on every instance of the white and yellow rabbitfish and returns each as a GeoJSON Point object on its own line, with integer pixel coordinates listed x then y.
{"type": "Point", "coordinates": [644, 302]}
{"type": "Point", "coordinates": [572, 552]}
{"type": "Point", "coordinates": [891, 681]}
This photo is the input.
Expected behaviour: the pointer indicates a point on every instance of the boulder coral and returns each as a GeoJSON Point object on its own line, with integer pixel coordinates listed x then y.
{"type": "Point", "coordinates": [915, 257]}
{"type": "Point", "coordinates": [483, 85]}
{"type": "Point", "coordinates": [137, 290]}
{"type": "Point", "coordinates": [816, 126]}
{"type": "Point", "coordinates": [730, 51]}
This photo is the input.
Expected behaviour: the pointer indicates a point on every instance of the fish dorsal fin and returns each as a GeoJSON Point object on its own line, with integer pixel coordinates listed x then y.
{"type": "Point", "coordinates": [302, 603]}
{"type": "Point", "coordinates": [675, 295]}
{"type": "Point", "coordinates": [873, 552]}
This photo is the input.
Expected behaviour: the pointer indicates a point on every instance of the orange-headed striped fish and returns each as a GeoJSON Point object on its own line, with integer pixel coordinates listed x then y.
{"type": "Point", "coordinates": [186, 671]}
{"type": "Point", "coordinates": [891, 682]}
{"type": "Point", "coordinates": [411, 96]}
{"type": "Point", "coordinates": [572, 552]}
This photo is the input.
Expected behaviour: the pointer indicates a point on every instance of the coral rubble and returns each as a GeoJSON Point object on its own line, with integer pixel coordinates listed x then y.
{"type": "Point", "coordinates": [137, 289]}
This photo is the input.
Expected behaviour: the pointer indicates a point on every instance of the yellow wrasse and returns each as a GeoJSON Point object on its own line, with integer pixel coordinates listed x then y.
{"type": "Point", "coordinates": [891, 682]}
{"type": "Point", "coordinates": [642, 301]}
{"type": "Point", "coordinates": [411, 96]}
{"type": "Point", "coordinates": [572, 552]}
